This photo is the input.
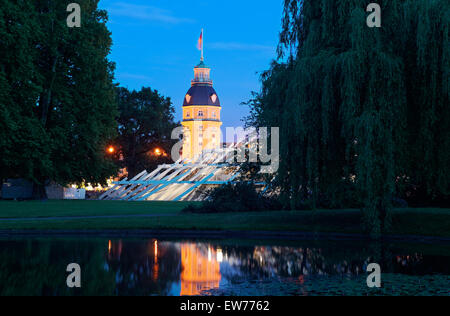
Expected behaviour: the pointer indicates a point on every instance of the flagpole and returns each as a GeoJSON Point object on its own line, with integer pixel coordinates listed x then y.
{"type": "Point", "coordinates": [203, 40]}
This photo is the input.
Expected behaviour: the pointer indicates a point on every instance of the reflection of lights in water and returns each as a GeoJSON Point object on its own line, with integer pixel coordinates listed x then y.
{"type": "Point", "coordinates": [155, 271]}
{"type": "Point", "coordinates": [199, 267]}
{"type": "Point", "coordinates": [219, 255]}
{"type": "Point", "coordinates": [199, 271]}
{"type": "Point", "coordinates": [301, 278]}
{"type": "Point", "coordinates": [155, 265]}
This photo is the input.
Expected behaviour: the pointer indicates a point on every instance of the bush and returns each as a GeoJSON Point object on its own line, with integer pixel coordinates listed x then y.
{"type": "Point", "coordinates": [240, 197]}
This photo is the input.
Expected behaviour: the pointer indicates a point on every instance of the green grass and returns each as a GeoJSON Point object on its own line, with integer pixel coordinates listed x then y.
{"type": "Point", "coordinates": [62, 208]}
{"type": "Point", "coordinates": [426, 222]}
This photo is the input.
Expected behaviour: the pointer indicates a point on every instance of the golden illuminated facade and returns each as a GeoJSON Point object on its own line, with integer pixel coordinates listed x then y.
{"type": "Point", "coordinates": [200, 271]}
{"type": "Point", "coordinates": [201, 115]}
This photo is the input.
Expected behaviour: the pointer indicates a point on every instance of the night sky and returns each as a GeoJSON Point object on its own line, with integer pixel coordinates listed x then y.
{"type": "Point", "coordinates": [155, 45]}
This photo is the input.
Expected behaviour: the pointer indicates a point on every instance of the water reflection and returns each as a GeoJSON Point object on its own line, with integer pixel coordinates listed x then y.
{"type": "Point", "coordinates": [201, 269]}
{"type": "Point", "coordinates": [158, 267]}
{"type": "Point", "coordinates": [143, 267]}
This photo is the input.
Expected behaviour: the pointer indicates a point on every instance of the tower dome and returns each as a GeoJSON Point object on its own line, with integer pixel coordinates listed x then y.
{"type": "Point", "coordinates": [201, 95]}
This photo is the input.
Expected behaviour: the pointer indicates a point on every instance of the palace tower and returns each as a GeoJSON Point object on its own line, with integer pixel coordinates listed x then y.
{"type": "Point", "coordinates": [201, 114]}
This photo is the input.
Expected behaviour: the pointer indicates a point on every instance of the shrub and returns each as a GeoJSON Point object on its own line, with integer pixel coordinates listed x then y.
{"type": "Point", "coordinates": [239, 197]}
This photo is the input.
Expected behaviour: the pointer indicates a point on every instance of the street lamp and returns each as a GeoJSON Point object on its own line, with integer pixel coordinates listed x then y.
{"type": "Point", "coordinates": [110, 150]}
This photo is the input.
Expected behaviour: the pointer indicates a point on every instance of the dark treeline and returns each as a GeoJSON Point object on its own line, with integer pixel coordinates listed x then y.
{"type": "Point", "coordinates": [363, 112]}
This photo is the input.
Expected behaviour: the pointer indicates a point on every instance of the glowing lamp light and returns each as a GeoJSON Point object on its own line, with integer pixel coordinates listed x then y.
{"type": "Point", "coordinates": [110, 150]}
{"type": "Point", "coordinates": [158, 152]}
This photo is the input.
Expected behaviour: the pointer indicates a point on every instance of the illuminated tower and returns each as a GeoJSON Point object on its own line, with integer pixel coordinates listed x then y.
{"type": "Point", "coordinates": [201, 114]}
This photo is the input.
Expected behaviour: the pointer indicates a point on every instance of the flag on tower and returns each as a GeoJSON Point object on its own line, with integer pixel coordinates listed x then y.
{"type": "Point", "coordinates": [200, 41]}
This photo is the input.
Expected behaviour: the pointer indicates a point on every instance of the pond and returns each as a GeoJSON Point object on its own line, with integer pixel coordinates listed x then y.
{"type": "Point", "coordinates": [220, 267]}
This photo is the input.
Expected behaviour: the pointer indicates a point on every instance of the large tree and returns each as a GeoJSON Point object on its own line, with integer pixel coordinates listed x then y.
{"type": "Point", "coordinates": [363, 112]}
{"type": "Point", "coordinates": [146, 122]}
{"type": "Point", "coordinates": [23, 143]}
{"type": "Point", "coordinates": [57, 94]}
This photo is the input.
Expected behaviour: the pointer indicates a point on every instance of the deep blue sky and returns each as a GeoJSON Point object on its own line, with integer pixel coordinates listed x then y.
{"type": "Point", "coordinates": [155, 45]}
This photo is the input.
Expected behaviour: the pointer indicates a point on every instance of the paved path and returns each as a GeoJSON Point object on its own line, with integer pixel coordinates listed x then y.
{"type": "Point", "coordinates": [67, 218]}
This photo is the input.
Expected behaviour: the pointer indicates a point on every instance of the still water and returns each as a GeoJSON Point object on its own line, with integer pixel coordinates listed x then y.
{"type": "Point", "coordinates": [225, 267]}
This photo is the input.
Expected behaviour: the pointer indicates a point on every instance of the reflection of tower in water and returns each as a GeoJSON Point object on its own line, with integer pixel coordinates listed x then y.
{"type": "Point", "coordinates": [200, 271]}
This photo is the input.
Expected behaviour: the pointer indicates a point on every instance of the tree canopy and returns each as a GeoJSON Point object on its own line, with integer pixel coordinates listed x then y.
{"type": "Point", "coordinates": [363, 112]}
{"type": "Point", "coordinates": [57, 101]}
{"type": "Point", "coordinates": [146, 122]}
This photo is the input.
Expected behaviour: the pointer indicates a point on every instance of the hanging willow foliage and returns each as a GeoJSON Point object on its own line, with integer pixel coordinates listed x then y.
{"type": "Point", "coordinates": [363, 112]}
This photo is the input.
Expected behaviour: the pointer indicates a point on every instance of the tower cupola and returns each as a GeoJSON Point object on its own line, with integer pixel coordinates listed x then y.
{"type": "Point", "coordinates": [202, 74]}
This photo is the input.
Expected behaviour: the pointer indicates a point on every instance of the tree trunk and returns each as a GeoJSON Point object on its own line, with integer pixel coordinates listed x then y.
{"type": "Point", "coordinates": [39, 192]}
{"type": "Point", "coordinates": [47, 96]}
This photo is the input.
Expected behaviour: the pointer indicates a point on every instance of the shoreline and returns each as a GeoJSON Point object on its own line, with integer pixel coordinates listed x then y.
{"type": "Point", "coordinates": [218, 234]}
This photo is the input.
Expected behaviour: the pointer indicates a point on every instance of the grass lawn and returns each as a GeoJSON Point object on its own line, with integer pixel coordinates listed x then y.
{"type": "Point", "coordinates": [424, 221]}
{"type": "Point", "coordinates": [63, 208]}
